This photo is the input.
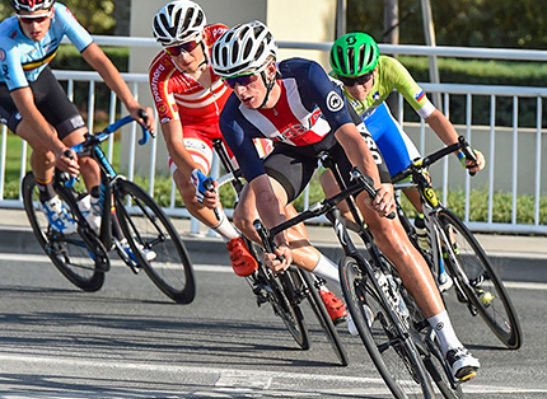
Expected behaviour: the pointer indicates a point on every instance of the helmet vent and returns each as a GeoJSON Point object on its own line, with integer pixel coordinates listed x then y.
{"type": "Point", "coordinates": [362, 50]}
{"type": "Point", "coordinates": [235, 52]}
{"type": "Point", "coordinates": [187, 20]}
{"type": "Point", "coordinates": [341, 59]}
{"type": "Point", "coordinates": [351, 62]}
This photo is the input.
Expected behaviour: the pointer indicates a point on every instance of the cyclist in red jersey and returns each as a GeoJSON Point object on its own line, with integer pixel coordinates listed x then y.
{"type": "Point", "coordinates": [189, 98]}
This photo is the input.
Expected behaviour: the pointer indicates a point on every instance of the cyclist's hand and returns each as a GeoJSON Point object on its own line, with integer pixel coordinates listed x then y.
{"type": "Point", "coordinates": [384, 202]}
{"type": "Point", "coordinates": [67, 161]}
{"type": "Point", "coordinates": [279, 260]}
{"type": "Point", "coordinates": [148, 120]}
{"type": "Point", "coordinates": [473, 167]}
{"type": "Point", "coordinates": [206, 189]}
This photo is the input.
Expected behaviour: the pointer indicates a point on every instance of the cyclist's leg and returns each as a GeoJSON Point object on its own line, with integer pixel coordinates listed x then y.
{"type": "Point", "coordinates": [304, 254]}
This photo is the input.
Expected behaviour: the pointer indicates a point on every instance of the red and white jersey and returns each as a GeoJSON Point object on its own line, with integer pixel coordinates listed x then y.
{"type": "Point", "coordinates": [178, 96]}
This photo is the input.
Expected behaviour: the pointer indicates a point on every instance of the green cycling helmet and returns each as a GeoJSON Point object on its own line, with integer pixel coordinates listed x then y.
{"type": "Point", "coordinates": [354, 54]}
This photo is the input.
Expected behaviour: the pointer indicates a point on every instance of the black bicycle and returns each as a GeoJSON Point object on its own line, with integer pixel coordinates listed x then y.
{"type": "Point", "coordinates": [129, 216]}
{"type": "Point", "coordinates": [455, 249]}
{"type": "Point", "coordinates": [388, 327]}
{"type": "Point", "coordinates": [284, 291]}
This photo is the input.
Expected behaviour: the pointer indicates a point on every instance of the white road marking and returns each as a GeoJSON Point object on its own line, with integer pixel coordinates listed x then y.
{"type": "Point", "coordinates": [250, 379]}
{"type": "Point", "coordinates": [14, 257]}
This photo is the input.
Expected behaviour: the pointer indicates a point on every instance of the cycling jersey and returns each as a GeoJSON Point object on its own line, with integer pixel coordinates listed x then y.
{"type": "Point", "coordinates": [396, 148]}
{"type": "Point", "coordinates": [392, 75]}
{"type": "Point", "coordinates": [23, 59]}
{"type": "Point", "coordinates": [302, 124]}
{"type": "Point", "coordinates": [178, 96]}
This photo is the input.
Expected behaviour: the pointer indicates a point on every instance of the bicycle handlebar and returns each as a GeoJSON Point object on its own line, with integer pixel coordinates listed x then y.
{"type": "Point", "coordinates": [430, 159]}
{"type": "Point", "coordinates": [101, 136]}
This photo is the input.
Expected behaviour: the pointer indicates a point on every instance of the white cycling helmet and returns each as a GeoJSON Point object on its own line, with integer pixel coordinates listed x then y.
{"type": "Point", "coordinates": [177, 22]}
{"type": "Point", "coordinates": [31, 5]}
{"type": "Point", "coordinates": [245, 47]}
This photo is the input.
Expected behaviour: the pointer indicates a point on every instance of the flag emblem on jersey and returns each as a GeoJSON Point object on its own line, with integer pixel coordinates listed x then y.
{"type": "Point", "coordinates": [376, 95]}
{"type": "Point", "coordinates": [420, 95]}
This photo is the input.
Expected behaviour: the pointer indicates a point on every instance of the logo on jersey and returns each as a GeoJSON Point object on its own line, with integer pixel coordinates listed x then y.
{"type": "Point", "coordinates": [334, 102]}
{"type": "Point", "coordinates": [2, 55]}
{"type": "Point", "coordinates": [419, 96]}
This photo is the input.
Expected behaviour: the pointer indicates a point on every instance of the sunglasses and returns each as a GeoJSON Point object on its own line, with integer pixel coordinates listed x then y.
{"type": "Point", "coordinates": [359, 80]}
{"type": "Point", "coordinates": [38, 18]}
{"type": "Point", "coordinates": [177, 50]}
{"type": "Point", "coordinates": [242, 80]}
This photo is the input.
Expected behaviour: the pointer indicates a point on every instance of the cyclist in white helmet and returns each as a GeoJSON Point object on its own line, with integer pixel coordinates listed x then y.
{"type": "Point", "coordinates": [34, 106]}
{"type": "Point", "coordinates": [298, 106]}
{"type": "Point", "coordinates": [189, 97]}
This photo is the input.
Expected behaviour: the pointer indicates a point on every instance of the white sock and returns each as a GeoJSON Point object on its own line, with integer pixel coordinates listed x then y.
{"type": "Point", "coordinates": [445, 332]}
{"type": "Point", "coordinates": [327, 269]}
{"type": "Point", "coordinates": [225, 229]}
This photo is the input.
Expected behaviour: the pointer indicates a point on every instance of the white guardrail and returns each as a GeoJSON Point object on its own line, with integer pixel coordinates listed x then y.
{"type": "Point", "coordinates": [135, 80]}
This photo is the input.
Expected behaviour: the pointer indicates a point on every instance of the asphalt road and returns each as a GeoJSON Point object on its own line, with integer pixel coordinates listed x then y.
{"type": "Point", "coordinates": [129, 341]}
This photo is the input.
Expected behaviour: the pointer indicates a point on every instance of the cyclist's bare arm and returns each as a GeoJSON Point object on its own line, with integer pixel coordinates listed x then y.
{"type": "Point", "coordinates": [272, 213]}
{"type": "Point", "coordinates": [95, 57]}
{"type": "Point", "coordinates": [359, 155]}
{"type": "Point", "coordinates": [34, 127]}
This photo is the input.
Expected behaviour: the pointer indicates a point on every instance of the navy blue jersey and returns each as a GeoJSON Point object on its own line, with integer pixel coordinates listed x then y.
{"type": "Point", "coordinates": [309, 108]}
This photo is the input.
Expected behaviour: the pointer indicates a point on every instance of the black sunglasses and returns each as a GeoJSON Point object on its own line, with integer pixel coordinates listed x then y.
{"type": "Point", "coordinates": [359, 80]}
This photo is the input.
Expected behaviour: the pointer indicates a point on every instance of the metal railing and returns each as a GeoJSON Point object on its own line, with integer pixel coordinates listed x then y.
{"type": "Point", "coordinates": [446, 90]}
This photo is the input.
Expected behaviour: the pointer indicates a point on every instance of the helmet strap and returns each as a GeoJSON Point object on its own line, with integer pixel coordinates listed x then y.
{"type": "Point", "coordinates": [205, 55]}
{"type": "Point", "coordinates": [269, 86]}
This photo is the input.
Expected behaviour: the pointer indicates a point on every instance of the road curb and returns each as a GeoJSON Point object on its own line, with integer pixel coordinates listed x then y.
{"type": "Point", "coordinates": [206, 250]}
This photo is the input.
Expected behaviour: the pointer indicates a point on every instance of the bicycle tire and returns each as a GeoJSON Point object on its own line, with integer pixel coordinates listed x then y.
{"type": "Point", "coordinates": [470, 259]}
{"type": "Point", "coordinates": [322, 315]}
{"type": "Point", "coordinates": [80, 257]}
{"type": "Point", "coordinates": [285, 306]}
{"type": "Point", "coordinates": [429, 349]}
{"type": "Point", "coordinates": [145, 225]}
{"type": "Point", "coordinates": [391, 354]}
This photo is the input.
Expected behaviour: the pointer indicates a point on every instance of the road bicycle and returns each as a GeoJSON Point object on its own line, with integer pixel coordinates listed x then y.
{"type": "Point", "coordinates": [454, 248]}
{"type": "Point", "coordinates": [377, 301]}
{"type": "Point", "coordinates": [129, 216]}
{"type": "Point", "coordinates": [285, 291]}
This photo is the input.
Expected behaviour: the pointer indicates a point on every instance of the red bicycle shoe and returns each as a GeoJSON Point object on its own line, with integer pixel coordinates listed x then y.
{"type": "Point", "coordinates": [335, 306]}
{"type": "Point", "coordinates": [243, 263]}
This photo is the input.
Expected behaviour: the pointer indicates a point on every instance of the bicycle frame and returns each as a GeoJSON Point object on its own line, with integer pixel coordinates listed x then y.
{"type": "Point", "coordinates": [91, 148]}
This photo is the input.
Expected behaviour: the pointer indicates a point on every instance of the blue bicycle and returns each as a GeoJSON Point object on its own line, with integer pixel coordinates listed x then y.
{"type": "Point", "coordinates": [132, 224]}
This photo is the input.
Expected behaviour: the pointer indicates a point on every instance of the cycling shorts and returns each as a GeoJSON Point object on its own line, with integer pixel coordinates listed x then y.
{"type": "Point", "coordinates": [51, 101]}
{"type": "Point", "coordinates": [198, 141]}
{"type": "Point", "coordinates": [394, 144]}
{"type": "Point", "coordinates": [293, 166]}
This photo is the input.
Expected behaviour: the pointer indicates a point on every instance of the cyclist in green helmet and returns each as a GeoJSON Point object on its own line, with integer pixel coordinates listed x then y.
{"type": "Point", "coordinates": [368, 78]}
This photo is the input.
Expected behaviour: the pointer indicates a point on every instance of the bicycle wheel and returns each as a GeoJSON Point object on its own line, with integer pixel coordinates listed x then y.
{"type": "Point", "coordinates": [282, 297]}
{"type": "Point", "coordinates": [80, 257]}
{"type": "Point", "coordinates": [393, 353]}
{"type": "Point", "coordinates": [311, 284]}
{"type": "Point", "coordinates": [479, 281]}
{"type": "Point", "coordinates": [145, 226]}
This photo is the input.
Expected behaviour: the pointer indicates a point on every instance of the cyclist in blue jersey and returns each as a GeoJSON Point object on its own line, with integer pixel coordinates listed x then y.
{"type": "Point", "coordinates": [295, 104]}
{"type": "Point", "coordinates": [368, 79]}
{"type": "Point", "coordinates": [34, 106]}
